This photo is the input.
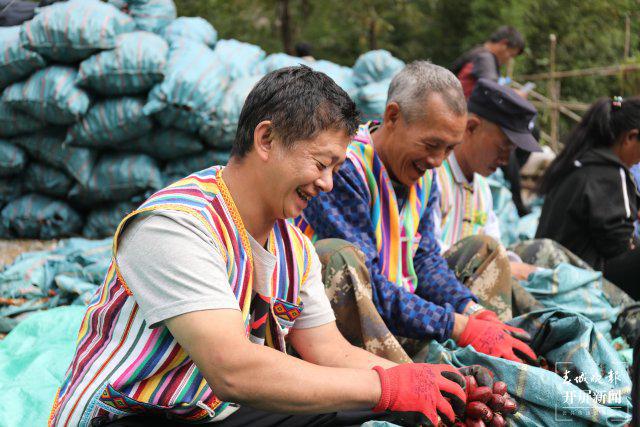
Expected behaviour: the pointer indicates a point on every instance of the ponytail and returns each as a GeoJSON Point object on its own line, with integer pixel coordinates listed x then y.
{"type": "Point", "coordinates": [601, 126]}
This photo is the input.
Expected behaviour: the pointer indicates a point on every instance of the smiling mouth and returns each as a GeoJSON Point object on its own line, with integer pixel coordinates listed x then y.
{"type": "Point", "coordinates": [304, 196]}
{"type": "Point", "coordinates": [421, 167]}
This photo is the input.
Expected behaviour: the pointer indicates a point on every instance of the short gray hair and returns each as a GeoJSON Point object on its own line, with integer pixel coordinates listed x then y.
{"type": "Point", "coordinates": [411, 87]}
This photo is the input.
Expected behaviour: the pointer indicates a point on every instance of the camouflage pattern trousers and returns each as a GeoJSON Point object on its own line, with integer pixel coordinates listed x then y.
{"type": "Point", "coordinates": [479, 262]}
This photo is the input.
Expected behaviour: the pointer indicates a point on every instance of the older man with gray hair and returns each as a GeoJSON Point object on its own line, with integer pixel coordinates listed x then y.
{"type": "Point", "coordinates": [374, 232]}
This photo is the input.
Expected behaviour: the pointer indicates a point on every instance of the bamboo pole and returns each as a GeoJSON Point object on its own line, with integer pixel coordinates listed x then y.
{"type": "Point", "coordinates": [553, 89]}
{"type": "Point", "coordinates": [596, 71]}
{"type": "Point", "coordinates": [627, 37]}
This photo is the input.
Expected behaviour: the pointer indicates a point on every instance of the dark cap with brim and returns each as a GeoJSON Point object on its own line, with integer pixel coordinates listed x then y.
{"type": "Point", "coordinates": [504, 107]}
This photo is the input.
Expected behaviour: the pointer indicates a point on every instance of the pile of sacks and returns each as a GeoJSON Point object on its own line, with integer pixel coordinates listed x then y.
{"type": "Point", "coordinates": [102, 103]}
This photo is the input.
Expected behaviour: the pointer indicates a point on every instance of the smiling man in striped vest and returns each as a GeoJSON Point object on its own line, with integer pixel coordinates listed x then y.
{"type": "Point", "coordinates": [209, 283]}
{"type": "Point", "coordinates": [375, 234]}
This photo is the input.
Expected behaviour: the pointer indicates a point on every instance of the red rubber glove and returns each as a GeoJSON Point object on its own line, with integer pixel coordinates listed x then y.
{"type": "Point", "coordinates": [422, 388]}
{"type": "Point", "coordinates": [488, 315]}
{"type": "Point", "coordinates": [497, 339]}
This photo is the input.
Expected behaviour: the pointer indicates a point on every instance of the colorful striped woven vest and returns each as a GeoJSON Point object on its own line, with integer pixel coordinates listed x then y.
{"type": "Point", "coordinates": [123, 367]}
{"type": "Point", "coordinates": [396, 232]}
{"type": "Point", "coordinates": [463, 206]}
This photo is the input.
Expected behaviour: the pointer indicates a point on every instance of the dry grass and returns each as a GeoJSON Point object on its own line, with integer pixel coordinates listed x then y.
{"type": "Point", "coordinates": [10, 249]}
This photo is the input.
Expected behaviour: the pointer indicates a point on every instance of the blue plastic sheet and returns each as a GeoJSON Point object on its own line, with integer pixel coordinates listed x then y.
{"type": "Point", "coordinates": [575, 290]}
{"type": "Point", "coordinates": [50, 95]}
{"type": "Point", "coordinates": [192, 28]}
{"type": "Point", "coordinates": [33, 361]}
{"type": "Point", "coordinates": [72, 30]}
{"type": "Point", "coordinates": [133, 67]}
{"type": "Point", "coordinates": [16, 62]}
{"type": "Point", "coordinates": [593, 386]}
{"type": "Point", "coordinates": [275, 61]}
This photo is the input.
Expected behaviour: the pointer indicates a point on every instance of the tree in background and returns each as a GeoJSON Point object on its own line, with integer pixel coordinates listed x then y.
{"type": "Point", "coordinates": [589, 33]}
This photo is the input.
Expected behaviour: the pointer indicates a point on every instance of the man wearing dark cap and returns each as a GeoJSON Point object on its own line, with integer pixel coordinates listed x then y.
{"type": "Point", "coordinates": [499, 120]}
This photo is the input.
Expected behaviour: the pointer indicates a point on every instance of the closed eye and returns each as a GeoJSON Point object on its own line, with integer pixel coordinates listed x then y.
{"type": "Point", "coordinates": [321, 166]}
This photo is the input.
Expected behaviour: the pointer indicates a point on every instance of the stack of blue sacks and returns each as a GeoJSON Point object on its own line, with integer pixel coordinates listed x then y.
{"type": "Point", "coordinates": [103, 103]}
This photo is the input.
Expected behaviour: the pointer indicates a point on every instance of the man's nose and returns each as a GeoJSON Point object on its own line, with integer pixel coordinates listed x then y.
{"type": "Point", "coordinates": [436, 158]}
{"type": "Point", "coordinates": [325, 182]}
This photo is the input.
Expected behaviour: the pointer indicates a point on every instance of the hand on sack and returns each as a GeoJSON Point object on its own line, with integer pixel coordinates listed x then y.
{"type": "Point", "coordinates": [497, 339]}
{"type": "Point", "coordinates": [426, 389]}
{"type": "Point", "coordinates": [487, 315]}
{"type": "Point", "coordinates": [521, 271]}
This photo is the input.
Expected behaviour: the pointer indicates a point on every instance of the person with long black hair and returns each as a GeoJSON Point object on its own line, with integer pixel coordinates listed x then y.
{"type": "Point", "coordinates": [591, 200]}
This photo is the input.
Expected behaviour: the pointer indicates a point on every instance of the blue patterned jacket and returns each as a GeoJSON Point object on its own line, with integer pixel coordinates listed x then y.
{"type": "Point", "coordinates": [344, 213]}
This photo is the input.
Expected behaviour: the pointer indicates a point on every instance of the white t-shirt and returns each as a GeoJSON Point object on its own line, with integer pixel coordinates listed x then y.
{"type": "Point", "coordinates": [172, 266]}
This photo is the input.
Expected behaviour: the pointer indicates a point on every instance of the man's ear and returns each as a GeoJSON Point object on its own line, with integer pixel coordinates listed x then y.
{"type": "Point", "coordinates": [263, 139]}
{"type": "Point", "coordinates": [473, 124]}
{"type": "Point", "coordinates": [391, 115]}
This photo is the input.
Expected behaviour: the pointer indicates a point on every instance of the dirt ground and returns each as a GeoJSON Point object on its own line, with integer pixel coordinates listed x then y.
{"type": "Point", "coordinates": [10, 249]}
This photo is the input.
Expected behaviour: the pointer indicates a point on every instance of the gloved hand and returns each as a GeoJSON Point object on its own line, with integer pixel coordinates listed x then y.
{"type": "Point", "coordinates": [422, 388]}
{"type": "Point", "coordinates": [497, 339]}
{"type": "Point", "coordinates": [488, 315]}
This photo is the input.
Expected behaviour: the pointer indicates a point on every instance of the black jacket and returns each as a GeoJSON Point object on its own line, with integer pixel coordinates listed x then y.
{"type": "Point", "coordinates": [591, 212]}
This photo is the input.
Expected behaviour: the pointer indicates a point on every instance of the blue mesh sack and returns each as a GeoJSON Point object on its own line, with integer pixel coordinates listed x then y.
{"type": "Point", "coordinates": [118, 177]}
{"type": "Point", "coordinates": [275, 61]}
{"type": "Point", "coordinates": [372, 98]}
{"type": "Point", "coordinates": [241, 59]}
{"type": "Point", "coordinates": [192, 28]}
{"type": "Point", "coordinates": [149, 15]}
{"type": "Point", "coordinates": [10, 189]}
{"type": "Point", "coordinates": [593, 387]}
{"type": "Point", "coordinates": [132, 67]}
{"type": "Point", "coordinates": [342, 75]}
{"type": "Point", "coordinates": [47, 180]}
{"type": "Point", "coordinates": [221, 133]}
{"type": "Point", "coordinates": [375, 66]}
{"type": "Point", "coordinates": [34, 216]}
{"type": "Point", "coordinates": [102, 222]}
{"type": "Point", "coordinates": [48, 148]}
{"type": "Point", "coordinates": [164, 144]}
{"type": "Point", "coordinates": [194, 84]}
{"type": "Point", "coordinates": [109, 123]}
{"type": "Point", "coordinates": [12, 159]}
{"type": "Point", "coordinates": [187, 165]}
{"type": "Point", "coordinates": [50, 95]}
{"type": "Point", "coordinates": [14, 122]}
{"type": "Point", "coordinates": [73, 30]}
{"type": "Point", "coordinates": [16, 62]}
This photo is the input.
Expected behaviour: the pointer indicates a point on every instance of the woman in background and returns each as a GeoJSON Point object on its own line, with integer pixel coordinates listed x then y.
{"type": "Point", "coordinates": [591, 200]}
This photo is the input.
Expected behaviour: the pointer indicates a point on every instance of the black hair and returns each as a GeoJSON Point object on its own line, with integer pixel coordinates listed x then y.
{"type": "Point", "coordinates": [601, 126]}
{"type": "Point", "coordinates": [303, 49]}
{"type": "Point", "coordinates": [511, 35]}
{"type": "Point", "coordinates": [300, 103]}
